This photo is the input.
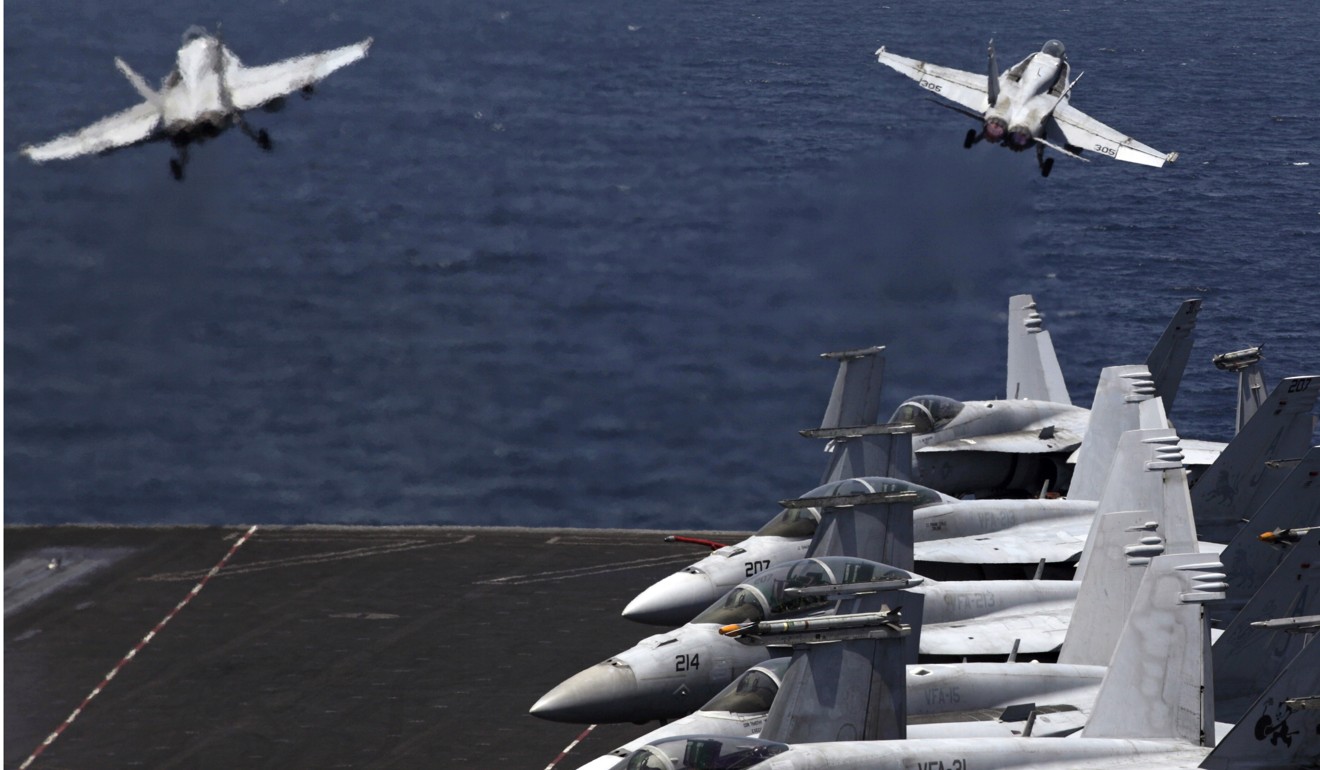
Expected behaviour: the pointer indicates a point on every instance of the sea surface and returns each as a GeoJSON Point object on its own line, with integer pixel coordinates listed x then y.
{"type": "Point", "coordinates": [573, 263]}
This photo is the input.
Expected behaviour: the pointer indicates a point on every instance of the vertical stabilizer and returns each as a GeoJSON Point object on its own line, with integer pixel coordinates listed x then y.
{"type": "Point", "coordinates": [1241, 478]}
{"type": "Point", "coordinates": [1158, 685]}
{"type": "Point", "coordinates": [847, 682]}
{"type": "Point", "coordinates": [858, 521]}
{"type": "Point", "coordinates": [1124, 543]}
{"type": "Point", "coordinates": [855, 399]}
{"type": "Point", "coordinates": [1168, 358]}
{"type": "Point", "coordinates": [1295, 502]}
{"type": "Point", "coordinates": [874, 450]}
{"type": "Point", "coordinates": [1033, 369]}
{"type": "Point", "coordinates": [1115, 410]}
{"type": "Point", "coordinates": [992, 76]}
{"type": "Point", "coordinates": [1282, 728]}
{"type": "Point", "coordinates": [1248, 657]}
{"type": "Point", "coordinates": [1251, 380]}
{"type": "Point", "coordinates": [138, 83]}
{"type": "Point", "coordinates": [1148, 475]}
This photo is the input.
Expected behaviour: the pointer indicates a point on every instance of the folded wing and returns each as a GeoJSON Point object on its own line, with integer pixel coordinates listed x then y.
{"type": "Point", "coordinates": [133, 125]}
{"type": "Point", "coordinates": [251, 87]}
{"type": "Point", "coordinates": [1072, 126]}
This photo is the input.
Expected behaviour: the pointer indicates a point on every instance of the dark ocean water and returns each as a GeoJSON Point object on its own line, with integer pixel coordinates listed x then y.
{"type": "Point", "coordinates": [571, 264]}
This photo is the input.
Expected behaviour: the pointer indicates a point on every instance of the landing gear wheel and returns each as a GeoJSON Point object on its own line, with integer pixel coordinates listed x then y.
{"type": "Point", "coordinates": [970, 139]}
{"type": "Point", "coordinates": [1046, 166]}
{"type": "Point", "coordinates": [176, 169]}
{"type": "Point", "coordinates": [263, 140]}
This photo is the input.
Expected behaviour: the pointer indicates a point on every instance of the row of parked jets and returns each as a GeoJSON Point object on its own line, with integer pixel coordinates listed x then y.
{"type": "Point", "coordinates": [877, 621]}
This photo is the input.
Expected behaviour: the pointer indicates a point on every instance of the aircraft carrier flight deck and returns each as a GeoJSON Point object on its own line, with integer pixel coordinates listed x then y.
{"type": "Point", "coordinates": [312, 646]}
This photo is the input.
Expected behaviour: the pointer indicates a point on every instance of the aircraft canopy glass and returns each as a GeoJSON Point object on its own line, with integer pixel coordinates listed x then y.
{"type": "Point", "coordinates": [750, 693]}
{"type": "Point", "coordinates": [763, 596]}
{"type": "Point", "coordinates": [874, 485]}
{"type": "Point", "coordinates": [698, 753]}
{"type": "Point", "coordinates": [928, 413]}
{"type": "Point", "coordinates": [1054, 48]}
{"type": "Point", "coordinates": [792, 522]}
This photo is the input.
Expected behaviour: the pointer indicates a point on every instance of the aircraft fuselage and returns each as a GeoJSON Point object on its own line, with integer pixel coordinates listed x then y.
{"type": "Point", "coordinates": [191, 102]}
{"type": "Point", "coordinates": [1028, 93]}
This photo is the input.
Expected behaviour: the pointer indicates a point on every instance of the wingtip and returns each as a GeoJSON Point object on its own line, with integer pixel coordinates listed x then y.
{"type": "Point", "coordinates": [879, 51]}
{"type": "Point", "coordinates": [1171, 157]}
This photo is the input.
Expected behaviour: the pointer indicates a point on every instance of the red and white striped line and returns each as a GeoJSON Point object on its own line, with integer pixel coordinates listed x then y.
{"type": "Point", "coordinates": [569, 747]}
{"type": "Point", "coordinates": [136, 649]}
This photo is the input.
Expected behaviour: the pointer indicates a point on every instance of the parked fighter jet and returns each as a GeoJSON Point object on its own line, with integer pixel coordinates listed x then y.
{"type": "Point", "coordinates": [843, 703]}
{"type": "Point", "coordinates": [206, 93]}
{"type": "Point", "coordinates": [667, 675]}
{"type": "Point", "coordinates": [1026, 106]}
{"type": "Point", "coordinates": [1019, 443]}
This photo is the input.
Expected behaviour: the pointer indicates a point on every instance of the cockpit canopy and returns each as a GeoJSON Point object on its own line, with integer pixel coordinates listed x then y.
{"type": "Point", "coordinates": [763, 596]}
{"type": "Point", "coordinates": [928, 413]}
{"type": "Point", "coordinates": [751, 693]}
{"type": "Point", "coordinates": [1054, 48]}
{"type": "Point", "coordinates": [194, 32]}
{"type": "Point", "coordinates": [875, 485]}
{"type": "Point", "coordinates": [792, 522]}
{"type": "Point", "coordinates": [702, 753]}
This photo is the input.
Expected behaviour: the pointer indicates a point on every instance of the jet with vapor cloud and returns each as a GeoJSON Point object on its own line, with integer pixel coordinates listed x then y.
{"type": "Point", "coordinates": [208, 91]}
{"type": "Point", "coordinates": [1027, 106]}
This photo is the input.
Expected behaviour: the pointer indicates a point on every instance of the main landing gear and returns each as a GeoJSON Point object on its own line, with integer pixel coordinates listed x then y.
{"type": "Point", "coordinates": [1045, 163]}
{"type": "Point", "coordinates": [972, 138]}
{"type": "Point", "coordinates": [179, 162]}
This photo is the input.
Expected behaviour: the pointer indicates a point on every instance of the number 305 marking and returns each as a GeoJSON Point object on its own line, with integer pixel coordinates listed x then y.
{"type": "Point", "coordinates": [1111, 152]}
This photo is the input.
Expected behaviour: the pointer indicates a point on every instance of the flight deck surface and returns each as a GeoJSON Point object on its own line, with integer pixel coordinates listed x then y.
{"type": "Point", "coordinates": [313, 646]}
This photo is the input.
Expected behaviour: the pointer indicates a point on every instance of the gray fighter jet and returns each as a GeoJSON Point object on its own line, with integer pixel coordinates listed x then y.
{"type": "Point", "coordinates": [843, 703]}
{"type": "Point", "coordinates": [861, 533]}
{"type": "Point", "coordinates": [1027, 106]}
{"type": "Point", "coordinates": [1014, 445]}
{"type": "Point", "coordinates": [206, 93]}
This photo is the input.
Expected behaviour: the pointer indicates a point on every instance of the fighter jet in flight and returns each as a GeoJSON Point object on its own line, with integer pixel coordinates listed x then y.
{"type": "Point", "coordinates": [207, 92]}
{"type": "Point", "coordinates": [1026, 107]}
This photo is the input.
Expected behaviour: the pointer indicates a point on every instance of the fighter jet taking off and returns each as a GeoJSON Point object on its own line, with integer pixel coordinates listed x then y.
{"type": "Point", "coordinates": [1026, 106]}
{"type": "Point", "coordinates": [207, 92]}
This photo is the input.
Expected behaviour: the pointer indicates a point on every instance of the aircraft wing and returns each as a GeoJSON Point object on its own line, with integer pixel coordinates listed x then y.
{"type": "Point", "coordinates": [965, 88]}
{"type": "Point", "coordinates": [1023, 544]}
{"type": "Point", "coordinates": [133, 125]}
{"type": "Point", "coordinates": [1036, 632]}
{"type": "Point", "coordinates": [254, 86]}
{"type": "Point", "coordinates": [1199, 452]}
{"type": "Point", "coordinates": [1078, 129]}
{"type": "Point", "coordinates": [1017, 442]}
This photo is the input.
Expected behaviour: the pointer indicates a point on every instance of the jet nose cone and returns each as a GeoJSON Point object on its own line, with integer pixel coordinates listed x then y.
{"type": "Point", "coordinates": [674, 600]}
{"type": "Point", "coordinates": [595, 695]}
